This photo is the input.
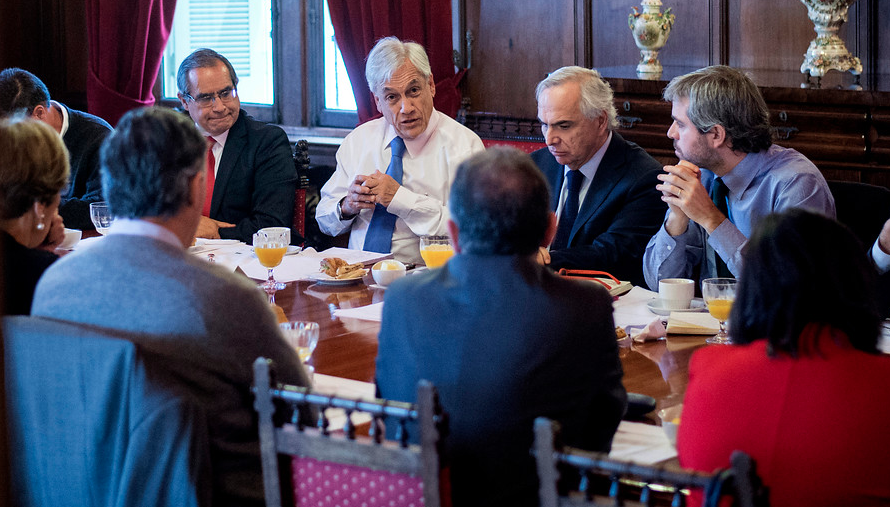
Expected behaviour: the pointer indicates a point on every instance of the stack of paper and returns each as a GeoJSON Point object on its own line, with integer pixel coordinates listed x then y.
{"type": "Point", "coordinates": [692, 323]}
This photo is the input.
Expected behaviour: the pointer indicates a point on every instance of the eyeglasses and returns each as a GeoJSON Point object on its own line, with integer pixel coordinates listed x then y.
{"type": "Point", "coordinates": [205, 99]}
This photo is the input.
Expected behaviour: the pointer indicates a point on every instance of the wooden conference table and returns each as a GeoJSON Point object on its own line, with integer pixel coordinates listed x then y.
{"type": "Point", "coordinates": [347, 347]}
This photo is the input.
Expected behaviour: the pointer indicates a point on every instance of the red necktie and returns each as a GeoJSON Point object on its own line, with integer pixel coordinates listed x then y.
{"type": "Point", "coordinates": [211, 177]}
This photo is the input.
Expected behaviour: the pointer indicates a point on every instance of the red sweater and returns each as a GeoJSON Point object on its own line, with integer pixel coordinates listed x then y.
{"type": "Point", "coordinates": [817, 426]}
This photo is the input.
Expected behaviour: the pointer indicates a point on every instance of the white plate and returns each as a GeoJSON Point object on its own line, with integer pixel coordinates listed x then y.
{"type": "Point", "coordinates": [656, 307]}
{"type": "Point", "coordinates": [215, 242]}
{"type": "Point", "coordinates": [323, 279]}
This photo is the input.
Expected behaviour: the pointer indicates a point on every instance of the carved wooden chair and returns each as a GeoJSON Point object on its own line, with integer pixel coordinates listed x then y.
{"type": "Point", "coordinates": [301, 165]}
{"type": "Point", "coordinates": [319, 463]}
{"type": "Point", "coordinates": [657, 485]}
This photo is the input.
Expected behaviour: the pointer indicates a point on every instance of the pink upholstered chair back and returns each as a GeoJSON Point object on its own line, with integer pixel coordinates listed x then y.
{"type": "Point", "coordinates": [318, 467]}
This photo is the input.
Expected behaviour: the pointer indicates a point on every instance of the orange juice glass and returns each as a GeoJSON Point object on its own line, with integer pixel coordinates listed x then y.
{"type": "Point", "coordinates": [435, 250]}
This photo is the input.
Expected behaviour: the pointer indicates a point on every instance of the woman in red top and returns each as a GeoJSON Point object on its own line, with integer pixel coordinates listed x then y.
{"type": "Point", "coordinates": [805, 390]}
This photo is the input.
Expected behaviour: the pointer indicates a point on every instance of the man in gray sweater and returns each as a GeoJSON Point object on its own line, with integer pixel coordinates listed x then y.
{"type": "Point", "coordinates": [207, 325]}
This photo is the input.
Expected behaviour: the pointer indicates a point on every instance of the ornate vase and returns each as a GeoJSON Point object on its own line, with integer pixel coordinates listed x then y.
{"type": "Point", "coordinates": [828, 51]}
{"type": "Point", "coordinates": [650, 29]}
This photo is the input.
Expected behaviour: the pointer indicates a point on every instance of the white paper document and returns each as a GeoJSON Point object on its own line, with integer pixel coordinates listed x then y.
{"type": "Point", "coordinates": [641, 443]}
{"type": "Point", "coordinates": [631, 310]}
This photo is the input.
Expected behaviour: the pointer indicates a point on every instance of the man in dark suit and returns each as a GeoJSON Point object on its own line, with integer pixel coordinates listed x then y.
{"type": "Point", "coordinates": [607, 219]}
{"type": "Point", "coordinates": [253, 177]}
{"type": "Point", "coordinates": [503, 338]}
{"type": "Point", "coordinates": [21, 92]}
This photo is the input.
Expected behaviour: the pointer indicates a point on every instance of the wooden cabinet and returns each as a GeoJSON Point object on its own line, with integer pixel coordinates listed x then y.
{"type": "Point", "coordinates": [845, 133]}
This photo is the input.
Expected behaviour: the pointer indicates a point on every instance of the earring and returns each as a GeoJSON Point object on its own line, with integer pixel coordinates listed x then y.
{"type": "Point", "coordinates": [40, 225]}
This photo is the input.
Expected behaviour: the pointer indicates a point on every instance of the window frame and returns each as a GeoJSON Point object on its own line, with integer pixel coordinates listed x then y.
{"type": "Point", "coordinates": [298, 63]}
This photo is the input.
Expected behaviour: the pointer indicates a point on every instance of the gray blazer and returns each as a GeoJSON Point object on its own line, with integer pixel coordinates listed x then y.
{"type": "Point", "coordinates": [92, 422]}
{"type": "Point", "coordinates": [208, 325]}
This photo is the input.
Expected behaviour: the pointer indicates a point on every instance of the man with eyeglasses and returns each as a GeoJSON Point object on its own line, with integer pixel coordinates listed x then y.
{"type": "Point", "coordinates": [251, 178]}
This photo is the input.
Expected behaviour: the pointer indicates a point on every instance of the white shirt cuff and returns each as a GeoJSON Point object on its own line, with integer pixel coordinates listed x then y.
{"type": "Point", "coordinates": [882, 260]}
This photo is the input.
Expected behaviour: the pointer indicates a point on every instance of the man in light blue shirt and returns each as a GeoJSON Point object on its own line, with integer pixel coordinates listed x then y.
{"type": "Point", "coordinates": [722, 136]}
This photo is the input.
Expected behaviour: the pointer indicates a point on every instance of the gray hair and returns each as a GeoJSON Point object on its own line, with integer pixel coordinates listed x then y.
{"type": "Point", "coordinates": [148, 163]}
{"type": "Point", "coordinates": [388, 55]}
{"type": "Point", "coordinates": [721, 95]}
{"type": "Point", "coordinates": [500, 202]}
{"type": "Point", "coordinates": [596, 94]}
{"type": "Point", "coordinates": [201, 58]}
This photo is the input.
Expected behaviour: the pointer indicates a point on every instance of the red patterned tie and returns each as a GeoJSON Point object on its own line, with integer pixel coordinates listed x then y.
{"type": "Point", "coordinates": [211, 177]}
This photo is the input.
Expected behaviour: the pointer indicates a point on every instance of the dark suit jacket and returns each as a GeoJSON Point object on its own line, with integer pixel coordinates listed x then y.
{"type": "Point", "coordinates": [621, 212]}
{"type": "Point", "coordinates": [255, 181]}
{"type": "Point", "coordinates": [504, 340]}
{"type": "Point", "coordinates": [83, 139]}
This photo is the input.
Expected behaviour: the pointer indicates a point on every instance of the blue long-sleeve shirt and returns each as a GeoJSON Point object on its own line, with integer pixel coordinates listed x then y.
{"type": "Point", "coordinates": [762, 183]}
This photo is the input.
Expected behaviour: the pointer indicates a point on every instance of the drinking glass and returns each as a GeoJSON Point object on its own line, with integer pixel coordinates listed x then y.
{"type": "Point", "coordinates": [270, 245]}
{"type": "Point", "coordinates": [302, 336]}
{"type": "Point", "coordinates": [101, 216]}
{"type": "Point", "coordinates": [435, 250]}
{"type": "Point", "coordinates": [719, 294]}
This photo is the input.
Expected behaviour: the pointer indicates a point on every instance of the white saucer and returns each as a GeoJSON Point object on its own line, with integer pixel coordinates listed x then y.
{"type": "Point", "coordinates": [655, 306]}
{"type": "Point", "coordinates": [323, 279]}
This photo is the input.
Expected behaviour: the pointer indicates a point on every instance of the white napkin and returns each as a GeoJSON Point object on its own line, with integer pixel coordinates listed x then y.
{"type": "Point", "coordinates": [292, 267]}
{"type": "Point", "coordinates": [372, 312]}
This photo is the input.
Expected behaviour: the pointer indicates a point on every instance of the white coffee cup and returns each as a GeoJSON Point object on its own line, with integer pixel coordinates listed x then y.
{"type": "Point", "coordinates": [676, 293]}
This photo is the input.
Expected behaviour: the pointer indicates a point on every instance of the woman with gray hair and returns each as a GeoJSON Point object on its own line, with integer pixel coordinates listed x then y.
{"type": "Point", "coordinates": [33, 172]}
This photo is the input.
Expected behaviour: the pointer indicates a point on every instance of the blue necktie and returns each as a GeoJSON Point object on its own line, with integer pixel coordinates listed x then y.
{"type": "Point", "coordinates": [379, 236]}
{"type": "Point", "coordinates": [719, 194]}
{"type": "Point", "coordinates": [569, 211]}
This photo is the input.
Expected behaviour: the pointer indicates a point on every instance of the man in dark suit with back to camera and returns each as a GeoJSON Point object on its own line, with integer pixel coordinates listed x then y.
{"type": "Point", "coordinates": [503, 338]}
{"type": "Point", "coordinates": [601, 185]}
{"type": "Point", "coordinates": [254, 179]}
{"type": "Point", "coordinates": [205, 325]}
{"type": "Point", "coordinates": [21, 92]}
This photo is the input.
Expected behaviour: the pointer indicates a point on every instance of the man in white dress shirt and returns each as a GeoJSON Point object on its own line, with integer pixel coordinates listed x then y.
{"type": "Point", "coordinates": [431, 145]}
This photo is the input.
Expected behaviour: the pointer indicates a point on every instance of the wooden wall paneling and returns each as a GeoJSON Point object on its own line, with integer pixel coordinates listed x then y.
{"type": "Point", "coordinates": [295, 50]}
{"type": "Point", "coordinates": [689, 44]}
{"type": "Point", "coordinates": [515, 45]}
{"type": "Point", "coordinates": [770, 35]}
{"type": "Point", "coordinates": [74, 52]}
{"type": "Point", "coordinates": [584, 33]}
{"type": "Point", "coordinates": [48, 38]}
{"type": "Point", "coordinates": [825, 133]}
{"type": "Point", "coordinates": [879, 137]}
{"type": "Point", "coordinates": [718, 28]}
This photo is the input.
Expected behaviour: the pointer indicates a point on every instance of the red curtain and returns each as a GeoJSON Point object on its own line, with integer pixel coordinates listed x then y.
{"type": "Point", "coordinates": [126, 43]}
{"type": "Point", "coordinates": [358, 24]}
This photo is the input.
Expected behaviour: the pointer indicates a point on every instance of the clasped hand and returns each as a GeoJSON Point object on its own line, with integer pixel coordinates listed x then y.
{"type": "Point", "coordinates": [687, 199]}
{"type": "Point", "coordinates": [367, 190]}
